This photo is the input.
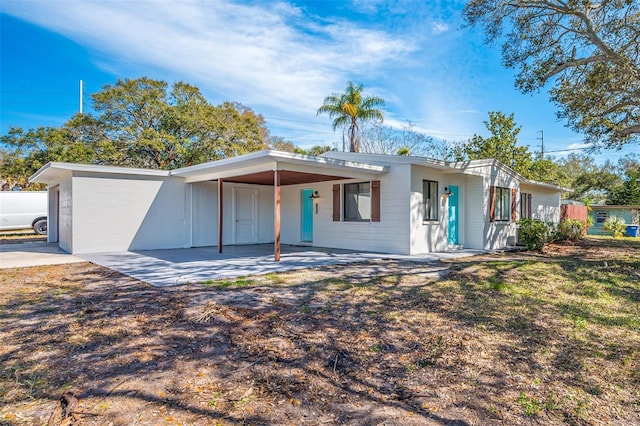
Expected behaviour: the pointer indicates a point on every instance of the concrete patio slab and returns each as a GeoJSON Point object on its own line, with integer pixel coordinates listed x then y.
{"type": "Point", "coordinates": [34, 254]}
{"type": "Point", "coordinates": [179, 266]}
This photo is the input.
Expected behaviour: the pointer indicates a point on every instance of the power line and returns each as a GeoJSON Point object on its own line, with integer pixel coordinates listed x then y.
{"type": "Point", "coordinates": [570, 149]}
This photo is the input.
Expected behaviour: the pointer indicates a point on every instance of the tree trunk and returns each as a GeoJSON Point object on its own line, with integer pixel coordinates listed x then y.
{"type": "Point", "coordinates": [353, 146]}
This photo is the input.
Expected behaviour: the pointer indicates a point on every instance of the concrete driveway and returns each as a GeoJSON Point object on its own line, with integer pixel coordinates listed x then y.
{"type": "Point", "coordinates": [34, 254]}
{"type": "Point", "coordinates": [178, 266]}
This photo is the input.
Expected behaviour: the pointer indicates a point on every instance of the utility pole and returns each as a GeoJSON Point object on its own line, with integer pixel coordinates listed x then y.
{"type": "Point", "coordinates": [80, 96]}
{"type": "Point", "coordinates": [541, 138]}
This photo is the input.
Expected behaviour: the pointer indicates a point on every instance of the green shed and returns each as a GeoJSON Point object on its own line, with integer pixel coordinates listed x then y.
{"type": "Point", "coordinates": [599, 213]}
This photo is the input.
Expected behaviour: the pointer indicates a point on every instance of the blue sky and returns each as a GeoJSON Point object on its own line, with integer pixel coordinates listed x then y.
{"type": "Point", "coordinates": [280, 58]}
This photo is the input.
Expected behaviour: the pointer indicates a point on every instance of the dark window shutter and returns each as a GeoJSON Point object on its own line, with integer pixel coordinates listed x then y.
{"type": "Point", "coordinates": [492, 204]}
{"type": "Point", "coordinates": [336, 203]}
{"type": "Point", "coordinates": [529, 205]}
{"type": "Point", "coordinates": [375, 201]}
{"type": "Point", "coordinates": [514, 192]}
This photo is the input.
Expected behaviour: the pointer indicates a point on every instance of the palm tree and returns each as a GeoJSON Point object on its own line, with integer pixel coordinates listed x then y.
{"type": "Point", "coordinates": [350, 109]}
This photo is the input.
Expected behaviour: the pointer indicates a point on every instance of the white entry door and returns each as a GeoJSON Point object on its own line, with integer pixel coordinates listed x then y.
{"type": "Point", "coordinates": [246, 216]}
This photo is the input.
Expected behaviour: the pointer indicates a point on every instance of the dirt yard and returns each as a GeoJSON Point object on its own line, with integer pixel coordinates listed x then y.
{"type": "Point", "coordinates": [511, 338]}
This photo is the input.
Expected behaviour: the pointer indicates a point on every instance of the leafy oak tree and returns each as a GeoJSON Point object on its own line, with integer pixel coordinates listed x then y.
{"type": "Point", "coordinates": [627, 193]}
{"type": "Point", "coordinates": [138, 123]}
{"type": "Point", "coordinates": [161, 128]}
{"type": "Point", "coordinates": [350, 110]}
{"type": "Point", "coordinates": [587, 50]}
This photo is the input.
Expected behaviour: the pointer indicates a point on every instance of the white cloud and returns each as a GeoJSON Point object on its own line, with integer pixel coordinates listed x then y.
{"type": "Point", "coordinates": [264, 54]}
{"type": "Point", "coordinates": [577, 145]}
{"type": "Point", "coordinates": [439, 28]}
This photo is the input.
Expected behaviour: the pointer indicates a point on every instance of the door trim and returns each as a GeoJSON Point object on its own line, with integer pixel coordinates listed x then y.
{"type": "Point", "coordinates": [254, 214]}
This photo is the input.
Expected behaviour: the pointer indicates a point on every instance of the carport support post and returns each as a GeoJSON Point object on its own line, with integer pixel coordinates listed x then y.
{"type": "Point", "coordinates": [220, 215]}
{"type": "Point", "coordinates": [276, 214]}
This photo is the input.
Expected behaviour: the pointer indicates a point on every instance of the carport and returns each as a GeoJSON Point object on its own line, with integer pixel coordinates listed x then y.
{"type": "Point", "coordinates": [276, 169]}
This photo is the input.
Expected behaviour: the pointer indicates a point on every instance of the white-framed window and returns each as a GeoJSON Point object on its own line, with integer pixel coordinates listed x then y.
{"type": "Point", "coordinates": [601, 218]}
{"type": "Point", "coordinates": [429, 200]}
{"type": "Point", "coordinates": [502, 204]}
{"type": "Point", "coordinates": [357, 202]}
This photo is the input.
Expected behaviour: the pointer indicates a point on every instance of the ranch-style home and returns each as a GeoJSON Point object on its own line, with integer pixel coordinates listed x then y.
{"type": "Point", "coordinates": [368, 202]}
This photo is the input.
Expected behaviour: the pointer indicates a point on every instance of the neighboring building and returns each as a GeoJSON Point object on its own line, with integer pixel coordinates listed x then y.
{"type": "Point", "coordinates": [369, 202]}
{"type": "Point", "coordinates": [600, 212]}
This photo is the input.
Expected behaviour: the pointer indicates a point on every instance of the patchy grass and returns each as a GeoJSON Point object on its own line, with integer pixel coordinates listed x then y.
{"type": "Point", "coordinates": [239, 282]}
{"type": "Point", "coordinates": [20, 236]}
{"type": "Point", "coordinates": [511, 338]}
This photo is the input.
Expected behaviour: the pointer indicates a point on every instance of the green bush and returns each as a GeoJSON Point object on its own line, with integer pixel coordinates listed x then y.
{"type": "Point", "coordinates": [534, 233]}
{"type": "Point", "coordinates": [570, 230]}
{"type": "Point", "coordinates": [615, 225]}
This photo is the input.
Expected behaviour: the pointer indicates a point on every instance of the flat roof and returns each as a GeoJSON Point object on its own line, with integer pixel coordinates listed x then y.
{"type": "Point", "coordinates": [255, 164]}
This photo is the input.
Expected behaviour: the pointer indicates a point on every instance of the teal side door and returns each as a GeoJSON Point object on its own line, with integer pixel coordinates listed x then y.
{"type": "Point", "coordinates": [306, 215]}
{"type": "Point", "coordinates": [453, 215]}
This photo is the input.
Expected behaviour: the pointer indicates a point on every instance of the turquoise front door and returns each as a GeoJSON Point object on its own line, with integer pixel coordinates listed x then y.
{"type": "Point", "coordinates": [306, 215]}
{"type": "Point", "coordinates": [453, 215]}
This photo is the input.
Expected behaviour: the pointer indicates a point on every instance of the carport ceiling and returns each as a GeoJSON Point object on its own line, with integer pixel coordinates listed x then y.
{"type": "Point", "coordinates": [287, 177]}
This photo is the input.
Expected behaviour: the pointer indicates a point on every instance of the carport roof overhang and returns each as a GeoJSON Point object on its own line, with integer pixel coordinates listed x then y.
{"type": "Point", "coordinates": [258, 168]}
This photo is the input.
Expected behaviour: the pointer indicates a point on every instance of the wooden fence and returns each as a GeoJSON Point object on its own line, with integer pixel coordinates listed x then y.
{"type": "Point", "coordinates": [572, 211]}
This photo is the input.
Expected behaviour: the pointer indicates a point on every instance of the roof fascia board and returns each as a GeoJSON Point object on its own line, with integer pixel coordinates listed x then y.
{"type": "Point", "coordinates": [387, 158]}
{"type": "Point", "coordinates": [48, 170]}
{"type": "Point", "coordinates": [226, 172]}
{"type": "Point", "coordinates": [349, 173]}
{"type": "Point", "coordinates": [615, 206]}
{"type": "Point", "coordinates": [271, 160]}
{"type": "Point", "coordinates": [545, 185]}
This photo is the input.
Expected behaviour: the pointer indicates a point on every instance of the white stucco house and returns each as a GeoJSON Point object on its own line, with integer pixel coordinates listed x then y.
{"type": "Point", "coordinates": [369, 202]}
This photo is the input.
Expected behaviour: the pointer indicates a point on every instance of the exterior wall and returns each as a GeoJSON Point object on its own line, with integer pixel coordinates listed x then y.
{"type": "Point", "coordinates": [390, 235]}
{"type": "Point", "coordinates": [545, 203]}
{"type": "Point", "coordinates": [265, 218]}
{"type": "Point", "coordinates": [52, 214]}
{"type": "Point", "coordinates": [124, 212]}
{"type": "Point", "coordinates": [475, 214]}
{"type": "Point", "coordinates": [428, 236]}
{"type": "Point", "coordinates": [290, 229]}
{"type": "Point", "coordinates": [204, 214]}
{"type": "Point", "coordinates": [65, 216]}
{"type": "Point", "coordinates": [498, 234]}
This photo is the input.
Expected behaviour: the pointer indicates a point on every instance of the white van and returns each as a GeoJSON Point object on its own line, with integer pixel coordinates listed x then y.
{"type": "Point", "coordinates": [23, 209]}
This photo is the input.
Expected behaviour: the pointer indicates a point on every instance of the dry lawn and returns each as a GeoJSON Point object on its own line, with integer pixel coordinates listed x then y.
{"type": "Point", "coordinates": [511, 338]}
